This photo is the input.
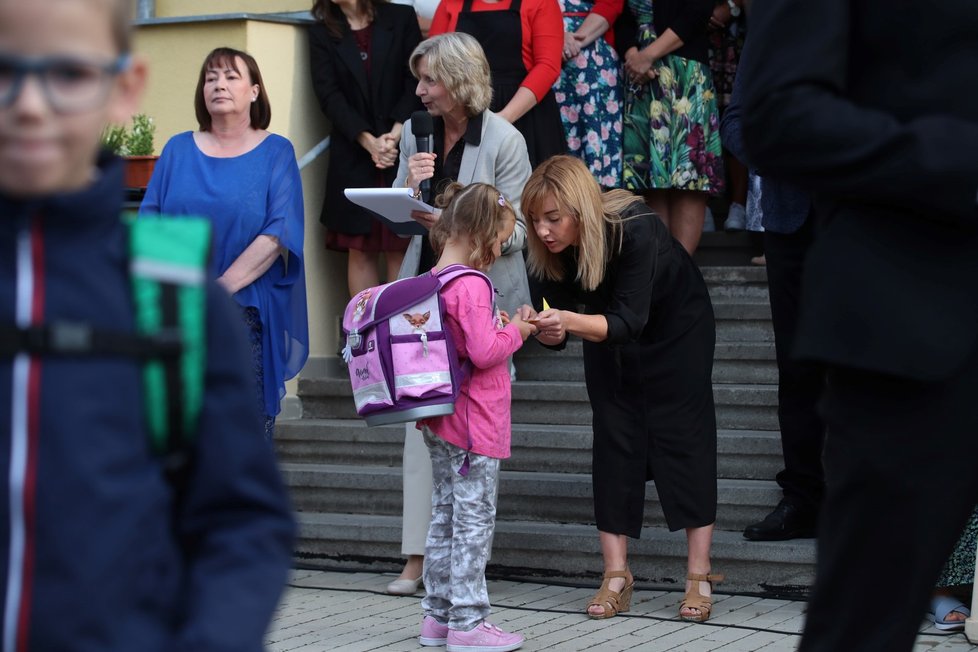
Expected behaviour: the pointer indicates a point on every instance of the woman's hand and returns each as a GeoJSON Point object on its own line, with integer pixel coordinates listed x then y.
{"type": "Point", "coordinates": [426, 219]}
{"type": "Point", "coordinates": [551, 326]}
{"type": "Point", "coordinates": [526, 313]}
{"type": "Point", "coordinates": [389, 141]}
{"type": "Point", "coordinates": [721, 17]}
{"type": "Point", "coordinates": [421, 166]}
{"type": "Point", "coordinates": [383, 152]}
{"type": "Point", "coordinates": [572, 46]}
{"type": "Point", "coordinates": [638, 66]}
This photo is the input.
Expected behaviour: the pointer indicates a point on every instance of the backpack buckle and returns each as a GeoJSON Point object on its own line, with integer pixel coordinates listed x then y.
{"type": "Point", "coordinates": [167, 342]}
{"type": "Point", "coordinates": [64, 337]}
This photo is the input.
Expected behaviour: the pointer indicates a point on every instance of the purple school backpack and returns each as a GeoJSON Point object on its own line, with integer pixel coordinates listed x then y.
{"type": "Point", "coordinates": [402, 359]}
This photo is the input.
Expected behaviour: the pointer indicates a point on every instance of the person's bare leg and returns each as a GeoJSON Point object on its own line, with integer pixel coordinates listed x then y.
{"type": "Point", "coordinates": [698, 543]}
{"type": "Point", "coordinates": [687, 211]}
{"type": "Point", "coordinates": [614, 550]}
{"type": "Point", "coordinates": [412, 568]}
{"type": "Point", "coordinates": [736, 178]}
{"type": "Point", "coordinates": [361, 271]}
{"type": "Point", "coordinates": [658, 202]}
{"type": "Point", "coordinates": [394, 260]}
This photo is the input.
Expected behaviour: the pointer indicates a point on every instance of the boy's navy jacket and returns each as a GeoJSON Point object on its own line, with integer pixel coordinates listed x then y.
{"type": "Point", "coordinates": [94, 553]}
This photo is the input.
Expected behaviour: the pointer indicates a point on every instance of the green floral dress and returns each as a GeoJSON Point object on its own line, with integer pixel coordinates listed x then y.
{"type": "Point", "coordinates": [671, 124]}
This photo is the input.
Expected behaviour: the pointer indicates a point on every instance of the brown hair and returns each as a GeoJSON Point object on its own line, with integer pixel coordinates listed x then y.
{"type": "Point", "coordinates": [567, 180]}
{"type": "Point", "coordinates": [261, 108]}
{"type": "Point", "coordinates": [326, 12]}
{"type": "Point", "coordinates": [477, 211]}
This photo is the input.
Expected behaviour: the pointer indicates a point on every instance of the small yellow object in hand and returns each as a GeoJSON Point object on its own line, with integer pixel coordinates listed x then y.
{"type": "Point", "coordinates": [546, 306]}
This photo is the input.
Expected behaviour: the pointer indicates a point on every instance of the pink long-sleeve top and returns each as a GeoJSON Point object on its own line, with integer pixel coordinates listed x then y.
{"type": "Point", "coordinates": [483, 406]}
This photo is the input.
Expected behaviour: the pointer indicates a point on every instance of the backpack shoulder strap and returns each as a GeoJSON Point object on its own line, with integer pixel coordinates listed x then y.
{"type": "Point", "coordinates": [452, 272]}
{"type": "Point", "coordinates": [168, 270]}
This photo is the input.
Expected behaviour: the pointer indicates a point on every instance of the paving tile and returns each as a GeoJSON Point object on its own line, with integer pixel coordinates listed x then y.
{"type": "Point", "coordinates": [350, 612]}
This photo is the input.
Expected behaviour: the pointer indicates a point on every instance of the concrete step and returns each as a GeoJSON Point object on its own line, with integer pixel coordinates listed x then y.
{"type": "Point", "coordinates": [736, 281]}
{"type": "Point", "coordinates": [738, 326]}
{"type": "Point", "coordinates": [741, 454]}
{"type": "Point", "coordinates": [523, 495]}
{"type": "Point", "coordinates": [739, 309]}
{"type": "Point", "coordinates": [738, 406]}
{"type": "Point", "coordinates": [720, 248]}
{"type": "Point", "coordinates": [733, 362]}
{"type": "Point", "coordinates": [567, 550]}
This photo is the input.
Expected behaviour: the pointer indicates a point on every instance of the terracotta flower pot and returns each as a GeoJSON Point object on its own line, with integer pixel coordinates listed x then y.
{"type": "Point", "coordinates": [138, 170]}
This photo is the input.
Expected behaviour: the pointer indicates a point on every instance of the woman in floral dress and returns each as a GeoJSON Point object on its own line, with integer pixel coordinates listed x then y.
{"type": "Point", "coordinates": [589, 88]}
{"type": "Point", "coordinates": [672, 152]}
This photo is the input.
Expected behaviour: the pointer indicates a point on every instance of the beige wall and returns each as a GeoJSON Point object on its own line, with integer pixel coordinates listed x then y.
{"type": "Point", "coordinates": [170, 8]}
{"type": "Point", "coordinates": [175, 52]}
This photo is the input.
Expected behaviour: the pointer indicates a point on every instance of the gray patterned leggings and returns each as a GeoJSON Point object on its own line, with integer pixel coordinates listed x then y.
{"type": "Point", "coordinates": [463, 518]}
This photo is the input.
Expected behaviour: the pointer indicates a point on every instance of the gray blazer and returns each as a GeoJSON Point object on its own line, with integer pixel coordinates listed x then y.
{"type": "Point", "coordinates": [500, 160]}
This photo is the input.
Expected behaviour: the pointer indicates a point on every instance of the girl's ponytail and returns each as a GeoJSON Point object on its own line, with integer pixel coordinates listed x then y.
{"type": "Point", "coordinates": [445, 197]}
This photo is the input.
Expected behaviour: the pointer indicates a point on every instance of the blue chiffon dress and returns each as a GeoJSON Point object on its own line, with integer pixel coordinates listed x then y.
{"type": "Point", "coordinates": [256, 193]}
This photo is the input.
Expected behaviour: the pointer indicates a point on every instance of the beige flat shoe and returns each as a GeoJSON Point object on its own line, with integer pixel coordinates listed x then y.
{"type": "Point", "coordinates": [405, 587]}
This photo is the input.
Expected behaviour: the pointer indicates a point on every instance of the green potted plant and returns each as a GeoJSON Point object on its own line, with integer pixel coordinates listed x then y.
{"type": "Point", "coordinates": [140, 160]}
{"type": "Point", "coordinates": [135, 144]}
{"type": "Point", "coordinates": [114, 139]}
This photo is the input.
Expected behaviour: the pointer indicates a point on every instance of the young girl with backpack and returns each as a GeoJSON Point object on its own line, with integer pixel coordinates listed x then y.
{"type": "Point", "coordinates": [467, 446]}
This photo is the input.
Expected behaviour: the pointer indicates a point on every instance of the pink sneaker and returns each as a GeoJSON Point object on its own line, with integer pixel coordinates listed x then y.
{"type": "Point", "coordinates": [432, 632]}
{"type": "Point", "coordinates": [486, 637]}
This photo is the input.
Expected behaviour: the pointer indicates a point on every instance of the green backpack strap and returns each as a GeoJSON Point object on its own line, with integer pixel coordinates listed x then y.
{"type": "Point", "coordinates": [168, 269]}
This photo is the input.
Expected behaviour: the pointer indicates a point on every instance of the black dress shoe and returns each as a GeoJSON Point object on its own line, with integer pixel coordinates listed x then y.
{"type": "Point", "coordinates": [787, 521]}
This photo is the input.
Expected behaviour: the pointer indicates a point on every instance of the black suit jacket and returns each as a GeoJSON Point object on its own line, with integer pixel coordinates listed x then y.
{"type": "Point", "coordinates": [687, 18]}
{"type": "Point", "coordinates": [355, 104]}
{"type": "Point", "coordinates": [873, 106]}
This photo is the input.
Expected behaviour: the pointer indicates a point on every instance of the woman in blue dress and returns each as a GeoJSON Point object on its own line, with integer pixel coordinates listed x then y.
{"type": "Point", "coordinates": [589, 88]}
{"type": "Point", "coordinates": [246, 181]}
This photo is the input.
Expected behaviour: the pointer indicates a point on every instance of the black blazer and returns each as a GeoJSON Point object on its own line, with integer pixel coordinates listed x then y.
{"type": "Point", "coordinates": [872, 105]}
{"type": "Point", "coordinates": [687, 18]}
{"type": "Point", "coordinates": [353, 104]}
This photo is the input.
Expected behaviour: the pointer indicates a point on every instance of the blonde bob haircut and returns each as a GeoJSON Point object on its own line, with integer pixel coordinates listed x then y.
{"type": "Point", "coordinates": [477, 211]}
{"type": "Point", "coordinates": [456, 61]}
{"type": "Point", "coordinates": [567, 180]}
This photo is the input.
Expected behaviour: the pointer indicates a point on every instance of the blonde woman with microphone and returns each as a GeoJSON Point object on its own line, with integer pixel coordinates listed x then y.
{"type": "Point", "coordinates": [470, 144]}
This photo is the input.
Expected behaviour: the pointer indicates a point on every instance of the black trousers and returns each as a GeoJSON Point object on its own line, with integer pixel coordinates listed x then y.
{"type": "Point", "coordinates": [800, 383]}
{"type": "Point", "coordinates": [900, 458]}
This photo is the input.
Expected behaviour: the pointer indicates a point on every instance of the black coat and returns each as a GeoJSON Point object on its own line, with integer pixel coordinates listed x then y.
{"type": "Point", "coordinates": [355, 104]}
{"type": "Point", "coordinates": [687, 18]}
{"type": "Point", "coordinates": [872, 106]}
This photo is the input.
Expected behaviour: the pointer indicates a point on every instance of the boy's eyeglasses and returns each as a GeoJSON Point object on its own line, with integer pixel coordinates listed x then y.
{"type": "Point", "coordinates": [70, 85]}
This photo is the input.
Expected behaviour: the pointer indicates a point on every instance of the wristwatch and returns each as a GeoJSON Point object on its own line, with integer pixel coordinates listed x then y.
{"type": "Point", "coordinates": [734, 9]}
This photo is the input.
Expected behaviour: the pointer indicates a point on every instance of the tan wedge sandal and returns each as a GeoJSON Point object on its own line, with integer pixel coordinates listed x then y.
{"type": "Point", "coordinates": [695, 600]}
{"type": "Point", "coordinates": [613, 602]}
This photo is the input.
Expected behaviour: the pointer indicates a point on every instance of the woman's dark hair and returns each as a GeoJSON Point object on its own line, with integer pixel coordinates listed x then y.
{"type": "Point", "coordinates": [261, 108]}
{"type": "Point", "coordinates": [326, 12]}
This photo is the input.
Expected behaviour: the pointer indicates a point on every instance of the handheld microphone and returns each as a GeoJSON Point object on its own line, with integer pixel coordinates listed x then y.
{"type": "Point", "coordinates": [421, 127]}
